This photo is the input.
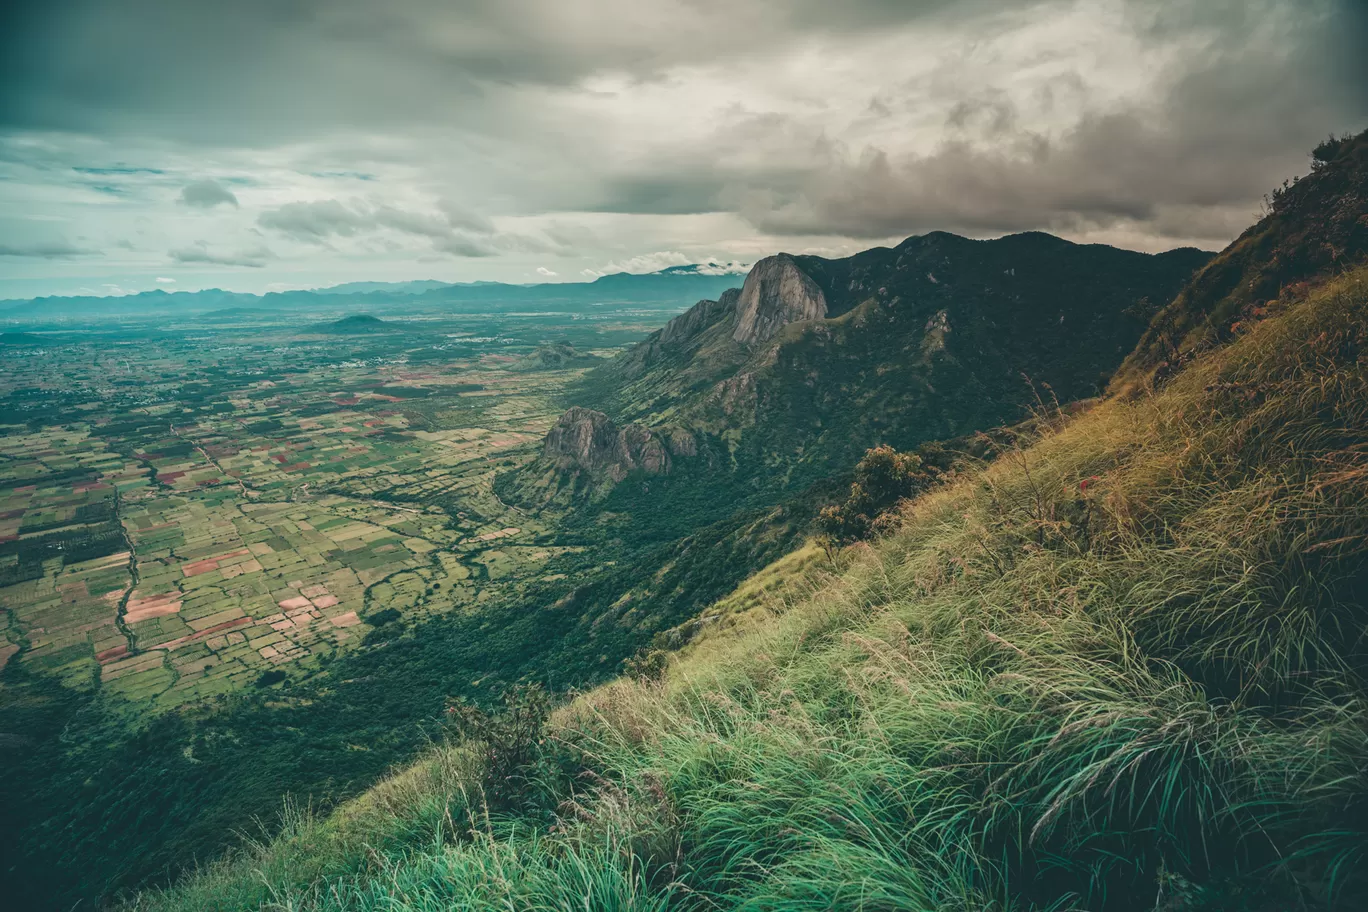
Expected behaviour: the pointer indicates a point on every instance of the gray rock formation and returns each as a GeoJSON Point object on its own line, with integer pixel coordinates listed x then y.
{"type": "Point", "coordinates": [683, 328]}
{"type": "Point", "coordinates": [776, 293]}
{"type": "Point", "coordinates": [583, 439]}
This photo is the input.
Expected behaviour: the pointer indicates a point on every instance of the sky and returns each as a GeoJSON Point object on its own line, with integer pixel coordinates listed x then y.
{"type": "Point", "coordinates": [259, 145]}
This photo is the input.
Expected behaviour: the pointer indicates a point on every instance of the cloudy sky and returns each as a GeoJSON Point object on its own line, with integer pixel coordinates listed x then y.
{"type": "Point", "coordinates": [261, 144]}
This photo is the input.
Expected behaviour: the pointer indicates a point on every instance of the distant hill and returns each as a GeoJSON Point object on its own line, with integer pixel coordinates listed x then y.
{"type": "Point", "coordinates": [358, 325]}
{"type": "Point", "coordinates": [673, 288]}
{"type": "Point", "coordinates": [554, 356]}
{"type": "Point", "coordinates": [404, 288]}
{"type": "Point", "coordinates": [20, 338]}
{"type": "Point", "coordinates": [815, 360]}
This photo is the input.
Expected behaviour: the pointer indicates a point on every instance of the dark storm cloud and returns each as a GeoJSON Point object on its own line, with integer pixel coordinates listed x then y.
{"type": "Point", "coordinates": [180, 66]}
{"type": "Point", "coordinates": [206, 194]}
{"type": "Point", "coordinates": [1193, 163]}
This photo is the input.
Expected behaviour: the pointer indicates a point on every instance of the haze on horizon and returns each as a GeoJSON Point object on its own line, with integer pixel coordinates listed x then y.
{"type": "Point", "coordinates": [261, 145]}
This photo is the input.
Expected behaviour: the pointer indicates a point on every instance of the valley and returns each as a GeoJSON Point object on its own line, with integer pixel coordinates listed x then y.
{"type": "Point", "coordinates": [253, 561]}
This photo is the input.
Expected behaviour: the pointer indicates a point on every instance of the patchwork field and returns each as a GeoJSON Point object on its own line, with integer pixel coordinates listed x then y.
{"type": "Point", "coordinates": [183, 514]}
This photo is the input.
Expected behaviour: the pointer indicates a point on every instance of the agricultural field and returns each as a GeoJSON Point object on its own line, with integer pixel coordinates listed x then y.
{"type": "Point", "coordinates": [186, 511]}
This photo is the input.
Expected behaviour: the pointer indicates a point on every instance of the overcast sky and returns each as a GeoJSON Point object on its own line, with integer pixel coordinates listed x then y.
{"type": "Point", "coordinates": [262, 144]}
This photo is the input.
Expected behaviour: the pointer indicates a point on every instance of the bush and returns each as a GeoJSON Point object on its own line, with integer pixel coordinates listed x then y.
{"type": "Point", "coordinates": [381, 618]}
{"type": "Point", "coordinates": [883, 479]}
{"type": "Point", "coordinates": [511, 742]}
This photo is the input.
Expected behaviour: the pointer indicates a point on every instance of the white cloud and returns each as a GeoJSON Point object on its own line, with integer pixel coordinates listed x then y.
{"type": "Point", "coordinates": [163, 280]}
{"type": "Point", "coordinates": [543, 271]}
{"type": "Point", "coordinates": [202, 254]}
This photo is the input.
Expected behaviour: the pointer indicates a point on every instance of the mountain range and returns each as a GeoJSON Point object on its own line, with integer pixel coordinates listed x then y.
{"type": "Point", "coordinates": [672, 286]}
{"type": "Point", "coordinates": [811, 361]}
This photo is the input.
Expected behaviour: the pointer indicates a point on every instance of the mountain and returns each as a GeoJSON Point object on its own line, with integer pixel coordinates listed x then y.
{"type": "Point", "coordinates": [671, 288]}
{"type": "Point", "coordinates": [814, 360]}
{"type": "Point", "coordinates": [1316, 226]}
{"type": "Point", "coordinates": [711, 267]}
{"type": "Point", "coordinates": [358, 325]}
{"type": "Point", "coordinates": [553, 356]}
{"type": "Point", "coordinates": [1121, 668]}
{"type": "Point", "coordinates": [406, 288]}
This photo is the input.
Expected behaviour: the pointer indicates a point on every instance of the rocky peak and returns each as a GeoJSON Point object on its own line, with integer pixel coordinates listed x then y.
{"type": "Point", "coordinates": [776, 293]}
{"type": "Point", "coordinates": [583, 439]}
{"type": "Point", "coordinates": [693, 321]}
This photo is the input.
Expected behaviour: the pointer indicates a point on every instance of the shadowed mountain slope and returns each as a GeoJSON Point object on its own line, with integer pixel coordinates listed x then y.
{"type": "Point", "coordinates": [814, 360]}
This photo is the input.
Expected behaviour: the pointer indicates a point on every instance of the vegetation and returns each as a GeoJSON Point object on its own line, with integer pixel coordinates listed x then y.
{"type": "Point", "coordinates": [1121, 667]}
{"type": "Point", "coordinates": [1315, 226]}
{"type": "Point", "coordinates": [884, 479]}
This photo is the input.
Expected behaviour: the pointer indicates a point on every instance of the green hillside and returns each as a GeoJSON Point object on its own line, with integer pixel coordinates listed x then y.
{"type": "Point", "coordinates": [1121, 666]}
{"type": "Point", "coordinates": [1315, 226]}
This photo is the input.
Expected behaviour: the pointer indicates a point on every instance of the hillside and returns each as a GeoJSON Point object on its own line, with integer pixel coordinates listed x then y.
{"type": "Point", "coordinates": [815, 360]}
{"type": "Point", "coordinates": [358, 325]}
{"type": "Point", "coordinates": [1120, 668]}
{"type": "Point", "coordinates": [553, 356]}
{"type": "Point", "coordinates": [1315, 226]}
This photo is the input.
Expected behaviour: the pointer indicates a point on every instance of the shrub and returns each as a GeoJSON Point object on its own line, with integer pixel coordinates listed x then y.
{"type": "Point", "coordinates": [269, 678]}
{"type": "Point", "coordinates": [883, 479]}
{"type": "Point", "coordinates": [510, 742]}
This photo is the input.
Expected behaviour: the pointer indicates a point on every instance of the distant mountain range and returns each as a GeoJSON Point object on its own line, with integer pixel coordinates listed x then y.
{"type": "Point", "coordinates": [676, 286]}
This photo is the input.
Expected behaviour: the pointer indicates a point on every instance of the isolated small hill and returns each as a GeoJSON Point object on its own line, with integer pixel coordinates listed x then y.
{"type": "Point", "coordinates": [20, 338]}
{"type": "Point", "coordinates": [358, 325]}
{"type": "Point", "coordinates": [1317, 226]}
{"type": "Point", "coordinates": [553, 356]}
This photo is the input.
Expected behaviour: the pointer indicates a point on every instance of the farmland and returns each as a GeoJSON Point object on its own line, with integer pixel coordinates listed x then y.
{"type": "Point", "coordinates": [190, 510]}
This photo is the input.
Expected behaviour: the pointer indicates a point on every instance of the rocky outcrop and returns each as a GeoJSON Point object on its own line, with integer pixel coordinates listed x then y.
{"type": "Point", "coordinates": [776, 293]}
{"type": "Point", "coordinates": [688, 325]}
{"type": "Point", "coordinates": [589, 441]}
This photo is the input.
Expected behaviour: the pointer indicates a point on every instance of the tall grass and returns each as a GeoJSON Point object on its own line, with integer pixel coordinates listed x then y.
{"type": "Point", "coordinates": [1119, 668]}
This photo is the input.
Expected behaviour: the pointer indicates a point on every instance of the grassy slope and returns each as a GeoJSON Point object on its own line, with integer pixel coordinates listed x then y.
{"type": "Point", "coordinates": [1315, 226]}
{"type": "Point", "coordinates": [1142, 692]}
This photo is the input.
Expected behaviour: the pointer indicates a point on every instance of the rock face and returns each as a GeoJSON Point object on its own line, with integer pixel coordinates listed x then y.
{"type": "Point", "coordinates": [776, 293]}
{"type": "Point", "coordinates": [693, 321]}
{"type": "Point", "coordinates": [586, 440]}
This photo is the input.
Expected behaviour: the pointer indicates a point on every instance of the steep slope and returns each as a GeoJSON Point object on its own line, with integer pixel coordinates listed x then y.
{"type": "Point", "coordinates": [1121, 669]}
{"type": "Point", "coordinates": [1316, 226]}
{"type": "Point", "coordinates": [585, 453]}
{"type": "Point", "coordinates": [814, 360]}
